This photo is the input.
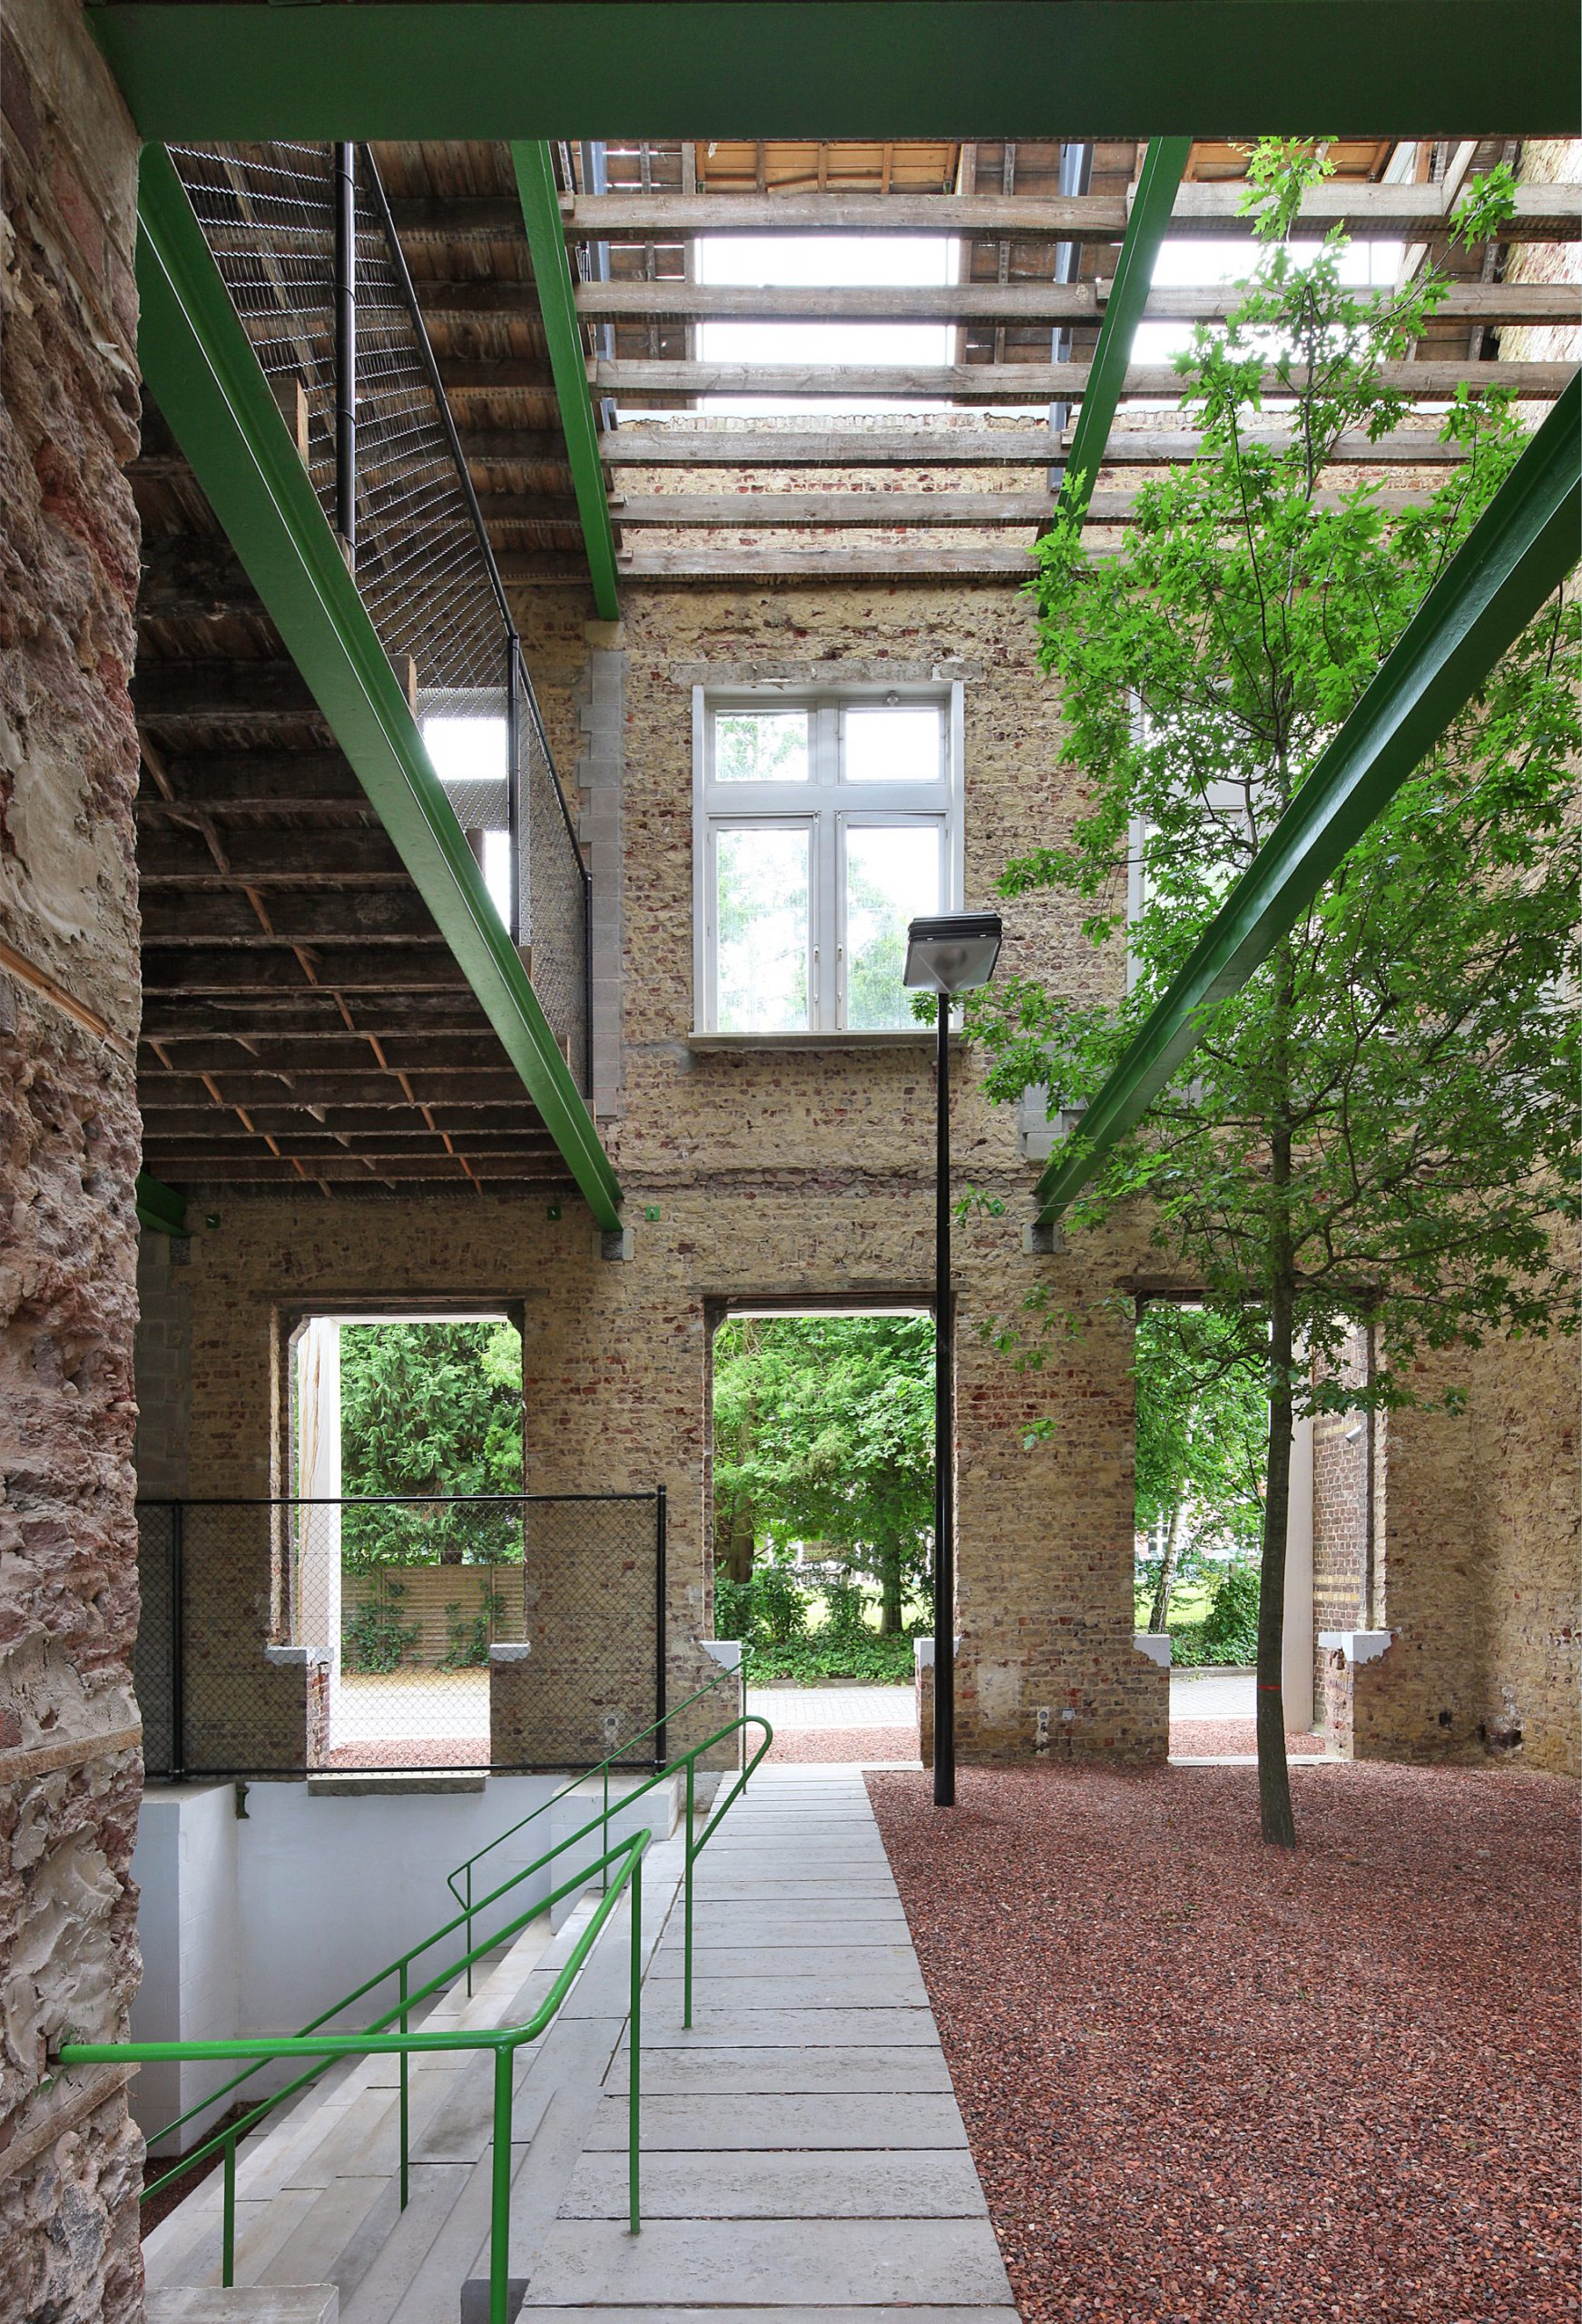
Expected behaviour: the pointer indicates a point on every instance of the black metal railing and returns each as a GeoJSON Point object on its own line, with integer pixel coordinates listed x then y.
{"type": "Point", "coordinates": [306, 246]}
{"type": "Point", "coordinates": [503, 1631]}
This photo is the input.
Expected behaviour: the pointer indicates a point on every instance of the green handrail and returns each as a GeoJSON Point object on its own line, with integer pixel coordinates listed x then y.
{"type": "Point", "coordinates": [321, 2046]}
{"type": "Point", "coordinates": [601, 1769]}
{"type": "Point", "coordinates": [503, 2041]}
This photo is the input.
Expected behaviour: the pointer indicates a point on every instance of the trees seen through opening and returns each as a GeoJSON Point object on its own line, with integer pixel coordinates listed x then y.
{"type": "Point", "coordinates": [823, 1491]}
{"type": "Point", "coordinates": [1202, 1442]}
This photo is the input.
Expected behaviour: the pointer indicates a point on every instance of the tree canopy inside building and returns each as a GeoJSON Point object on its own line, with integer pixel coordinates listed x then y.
{"type": "Point", "coordinates": [1381, 1126]}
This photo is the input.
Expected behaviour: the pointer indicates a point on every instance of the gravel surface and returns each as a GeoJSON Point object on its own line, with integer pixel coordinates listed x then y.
{"type": "Point", "coordinates": [1205, 1738]}
{"type": "Point", "coordinates": [808, 1744]}
{"type": "Point", "coordinates": [1204, 2080]}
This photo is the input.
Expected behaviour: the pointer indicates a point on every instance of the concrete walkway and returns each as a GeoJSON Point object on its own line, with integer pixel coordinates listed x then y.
{"type": "Point", "coordinates": [802, 2147]}
{"type": "Point", "coordinates": [853, 1706]}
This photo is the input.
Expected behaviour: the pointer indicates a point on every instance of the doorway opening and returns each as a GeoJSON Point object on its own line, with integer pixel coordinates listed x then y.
{"type": "Point", "coordinates": [406, 1532]}
{"type": "Point", "coordinates": [1201, 1476]}
{"type": "Point", "coordinates": [823, 1511]}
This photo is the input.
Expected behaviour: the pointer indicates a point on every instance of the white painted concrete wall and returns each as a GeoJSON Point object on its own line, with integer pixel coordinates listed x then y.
{"type": "Point", "coordinates": [185, 1865]}
{"type": "Point", "coordinates": [1297, 1656]}
{"type": "Point", "coordinates": [254, 1925]}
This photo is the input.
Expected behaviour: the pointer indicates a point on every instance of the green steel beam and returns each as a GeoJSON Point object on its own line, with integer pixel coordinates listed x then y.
{"type": "Point", "coordinates": [515, 69]}
{"type": "Point", "coordinates": [563, 336]}
{"type": "Point", "coordinates": [1164, 166]}
{"type": "Point", "coordinates": [1518, 552]}
{"type": "Point", "coordinates": [160, 1207]}
{"type": "Point", "coordinates": [200, 367]}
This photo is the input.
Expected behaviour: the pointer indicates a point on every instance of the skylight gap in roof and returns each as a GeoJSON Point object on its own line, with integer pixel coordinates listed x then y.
{"type": "Point", "coordinates": [824, 262]}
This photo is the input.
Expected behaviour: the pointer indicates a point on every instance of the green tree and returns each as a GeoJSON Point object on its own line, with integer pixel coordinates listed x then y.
{"type": "Point", "coordinates": [426, 1410]}
{"type": "Point", "coordinates": [1382, 1125]}
{"type": "Point", "coordinates": [1202, 1437]}
{"type": "Point", "coordinates": [823, 1432]}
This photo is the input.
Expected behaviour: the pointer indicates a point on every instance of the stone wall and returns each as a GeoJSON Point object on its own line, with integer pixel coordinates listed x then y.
{"type": "Point", "coordinates": [792, 1173]}
{"type": "Point", "coordinates": [69, 1763]}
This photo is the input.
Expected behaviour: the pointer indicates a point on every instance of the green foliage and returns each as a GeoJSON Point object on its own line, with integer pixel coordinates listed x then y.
{"type": "Point", "coordinates": [373, 1638]}
{"type": "Point", "coordinates": [823, 1433]}
{"type": "Point", "coordinates": [874, 1659]}
{"type": "Point", "coordinates": [467, 1634]}
{"type": "Point", "coordinates": [774, 1614]}
{"type": "Point", "coordinates": [431, 1409]}
{"type": "Point", "coordinates": [1230, 1633]}
{"type": "Point", "coordinates": [1383, 1123]}
{"type": "Point", "coordinates": [1384, 1119]}
{"type": "Point", "coordinates": [1202, 1442]}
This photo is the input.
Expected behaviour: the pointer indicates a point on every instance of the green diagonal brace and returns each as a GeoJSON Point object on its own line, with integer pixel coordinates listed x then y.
{"type": "Point", "coordinates": [1164, 166]}
{"type": "Point", "coordinates": [200, 366]}
{"type": "Point", "coordinates": [160, 1207]}
{"type": "Point", "coordinates": [563, 336]}
{"type": "Point", "coordinates": [1518, 552]}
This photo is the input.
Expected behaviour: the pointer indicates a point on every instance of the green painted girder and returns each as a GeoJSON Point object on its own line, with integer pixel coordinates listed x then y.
{"type": "Point", "coordinates": [201, 369]}
{"type": "Point", "coordinates": [1518, 552]}
{"type": "Point", "coordinates": [515, 69]}
{"type": "Point", "coordinates": [1164, 166]}
{"type": "Point", "coordinates": [563, 336]}
{"type": "Point", "coordinates": [160, 1207]}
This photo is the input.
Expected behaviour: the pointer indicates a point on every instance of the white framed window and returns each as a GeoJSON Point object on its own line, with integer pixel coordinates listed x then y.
{"type": "Point", "coordinates": [822, 824]}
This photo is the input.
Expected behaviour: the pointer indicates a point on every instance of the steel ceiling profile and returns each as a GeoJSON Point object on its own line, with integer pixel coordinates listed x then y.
{"type": "Point", "coordinates": [200, 367]}
{"type": "Point", "coordinates": [1164, 167]}
{"type": "Point", "coordinates": [1518, 552]}
{"type": "Point", "coordinates": [516, 69]}
{"type": "Point", "coordinates": [159, 1208]}
{"type": "Point", "coordinates": [551, 277]}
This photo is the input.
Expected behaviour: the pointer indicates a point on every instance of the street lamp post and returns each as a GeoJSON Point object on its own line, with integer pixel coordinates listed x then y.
{"type": "Point", "coordinates": [947, 954]}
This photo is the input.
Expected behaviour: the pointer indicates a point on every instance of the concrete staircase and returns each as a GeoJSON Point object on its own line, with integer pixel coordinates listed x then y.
{"type": "Point", "coordinates": [318, 2214]}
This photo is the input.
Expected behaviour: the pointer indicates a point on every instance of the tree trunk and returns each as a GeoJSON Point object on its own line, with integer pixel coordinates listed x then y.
{"type": "Point", "coordinates": [889, 1587]}
{"type": "Point", "coordinates": [1170, 1557]}
{"type": "Point", "coordinates": [740, 1547]}
{"type": "Point", "coordinates": [1278, 1824]}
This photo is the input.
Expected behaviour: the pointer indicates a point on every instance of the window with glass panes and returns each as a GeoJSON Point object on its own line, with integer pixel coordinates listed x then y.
{"type": "Point", "coordinates": [824, 825]}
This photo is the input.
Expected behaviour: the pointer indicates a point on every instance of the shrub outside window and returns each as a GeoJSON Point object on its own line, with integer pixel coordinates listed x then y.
{"type": "Point", "coordinates": [823, 823]}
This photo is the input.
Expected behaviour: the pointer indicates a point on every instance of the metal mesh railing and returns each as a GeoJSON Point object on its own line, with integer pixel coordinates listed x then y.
{"type": "Point", "coordinates": [503, 1631]}
{"type": "Point", "coordinates": [316, 304]}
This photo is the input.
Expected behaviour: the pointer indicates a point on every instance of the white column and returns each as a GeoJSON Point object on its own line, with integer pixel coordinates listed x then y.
{"type": "Point", "coordinates": [318, 1531]}
{"type": "Point", "coordinates": [1297, 1651]}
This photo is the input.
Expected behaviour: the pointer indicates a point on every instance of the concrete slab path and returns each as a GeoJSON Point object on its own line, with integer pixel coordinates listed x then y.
{"type": "Point", "coordinates": [804, 2153]}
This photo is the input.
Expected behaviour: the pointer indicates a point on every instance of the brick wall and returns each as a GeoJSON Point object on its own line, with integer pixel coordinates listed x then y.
{"type": "Point", "coordinates": [69, 1761]}
{"type": "Point", "coordinates": [799, 1175]}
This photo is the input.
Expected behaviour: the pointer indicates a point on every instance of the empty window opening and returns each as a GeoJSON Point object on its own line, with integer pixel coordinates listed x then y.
{"type": "Point", "coordinates": [824, 1497]}
{"type": "Point", "coordinates": [1202, 1459]}
{"type": "Point", "coordinates": [406, 1536]}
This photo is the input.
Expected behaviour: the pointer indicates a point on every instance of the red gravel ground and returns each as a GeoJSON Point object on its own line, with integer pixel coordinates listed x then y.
{"type": "Point", "coordinates": [1204, 2080]}
{"type": "Point", "coordinates": [808, 1744]}
{"type": "Point", "coordinates": [1208, 1739]}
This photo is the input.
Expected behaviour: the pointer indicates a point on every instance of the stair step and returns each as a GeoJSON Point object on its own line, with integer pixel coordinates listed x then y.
{"type": "Point", "coordinates": [245, 2304]}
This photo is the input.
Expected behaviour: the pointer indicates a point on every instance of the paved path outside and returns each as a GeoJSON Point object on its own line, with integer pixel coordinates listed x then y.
{"type": "Point", "coordinates": [833, 1707]}
{"type": "Point", "coordinates": [1213, 1693]}
{"type": "Point", "coordinates": [802, 2147]}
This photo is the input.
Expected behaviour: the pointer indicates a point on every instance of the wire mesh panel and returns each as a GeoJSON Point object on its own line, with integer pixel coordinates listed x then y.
{"type": "Point", "coordinates": [424, 566]}
{"type": "Point", "coordinates": [284, 1636]}
{"type": "Point", "coordinates": [156, 1651]}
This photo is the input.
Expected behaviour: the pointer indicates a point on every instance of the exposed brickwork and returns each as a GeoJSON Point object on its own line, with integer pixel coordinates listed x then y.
{"type": "Point", "coordinates": [797, 1173]}
{"type": "Point", "coordinates": [69, 1766]}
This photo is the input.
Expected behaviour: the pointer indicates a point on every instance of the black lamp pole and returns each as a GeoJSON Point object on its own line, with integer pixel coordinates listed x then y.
{"type": "Point", "coordinates": [944, 1440]}
{"type": "Point", "coordinates": [947, 953]}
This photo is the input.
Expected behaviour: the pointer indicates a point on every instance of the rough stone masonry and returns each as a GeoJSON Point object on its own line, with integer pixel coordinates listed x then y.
{"type": "Point", "coordinates": [70, 1768]}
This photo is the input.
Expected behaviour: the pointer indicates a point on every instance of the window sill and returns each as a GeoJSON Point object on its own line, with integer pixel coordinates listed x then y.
{"type": "Point", "coordinates": [733, 1044]}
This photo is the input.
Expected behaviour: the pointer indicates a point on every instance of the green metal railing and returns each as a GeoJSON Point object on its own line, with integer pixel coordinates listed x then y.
{"type": "Point", "coordinates": [619, 1868]}
{"type": "Point", "coordinates": [616, 1758]}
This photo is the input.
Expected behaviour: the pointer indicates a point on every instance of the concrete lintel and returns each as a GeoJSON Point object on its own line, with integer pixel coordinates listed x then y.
{"type": "Point", "coordinates": [511, 1650]}
{"type": "Point", "coordinates": [725, 1651]}
{"type": "Point", "coordinates": [300, 1658]}
{"type": "Point", "coordinates": [1357, 1646]}
{"type": "Point", "coordinates": [1154, 1644]}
